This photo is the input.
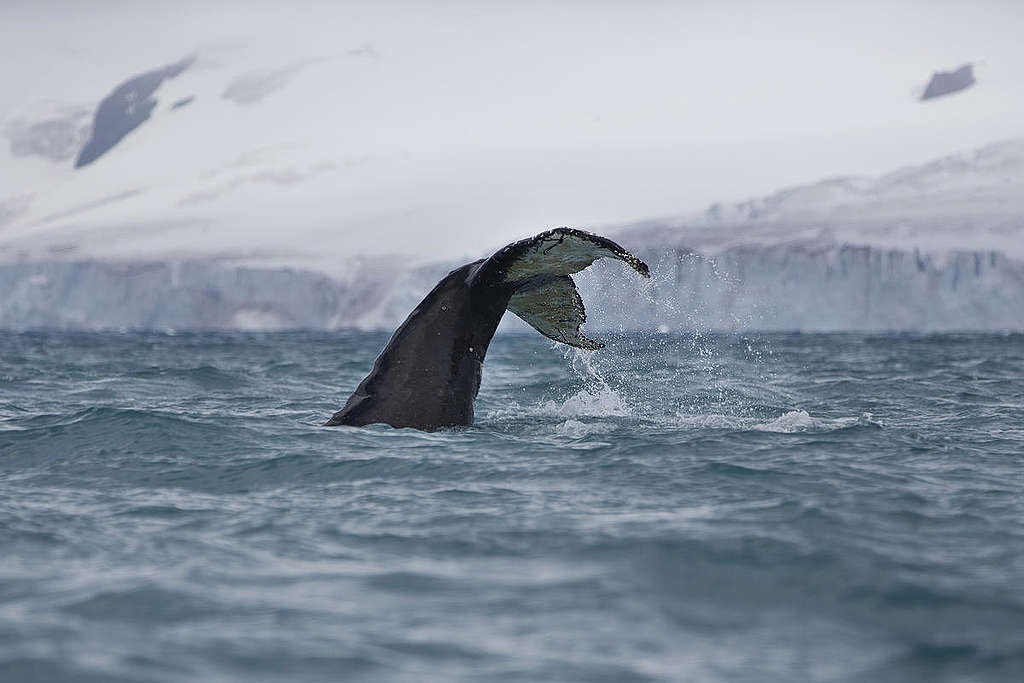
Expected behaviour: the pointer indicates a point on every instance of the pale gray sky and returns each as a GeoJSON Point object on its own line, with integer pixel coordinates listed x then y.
{"type": "Point", "coordinates": [481, 121]}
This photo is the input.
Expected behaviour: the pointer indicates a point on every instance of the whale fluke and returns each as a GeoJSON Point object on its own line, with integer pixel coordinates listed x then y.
{"type": "Point", "coordinates": [428, 375]}
{"type": "Point", "coordinates": [554, 308]}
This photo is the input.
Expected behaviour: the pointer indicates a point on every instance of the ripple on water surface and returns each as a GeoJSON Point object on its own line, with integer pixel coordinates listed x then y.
{"type": "Point", "coordinates": [774, 508]}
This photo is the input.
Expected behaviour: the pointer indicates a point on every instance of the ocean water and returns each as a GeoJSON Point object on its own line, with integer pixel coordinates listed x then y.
{"type": "Point", "coordinates": [670, 508]}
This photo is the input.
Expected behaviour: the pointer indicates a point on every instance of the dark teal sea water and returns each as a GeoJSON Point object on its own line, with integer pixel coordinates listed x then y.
{"type": "Point", "coordinates": [772, 508]}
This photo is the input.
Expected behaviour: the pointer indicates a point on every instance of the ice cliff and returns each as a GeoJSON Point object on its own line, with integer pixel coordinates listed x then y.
{"type": "Point", "coordinates": [785, 287]}
{"type": "Point", "coordinates": [813, 287]}
{"type": "Point", "coordinates": [206, 294]}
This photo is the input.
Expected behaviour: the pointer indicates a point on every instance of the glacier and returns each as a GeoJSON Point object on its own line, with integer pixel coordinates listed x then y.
{"type": "Point", "coordinates": [813, 288]}
{"type": "Point", "coordinates": [792, 287]}
{"type": "Point", "coordinates": [928, 248]}
{"type": "Point", "coordinates": [207, 294]}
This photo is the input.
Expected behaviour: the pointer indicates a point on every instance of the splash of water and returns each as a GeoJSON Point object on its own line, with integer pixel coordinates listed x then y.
{"type": "Point", "coordinates": [597, 398]}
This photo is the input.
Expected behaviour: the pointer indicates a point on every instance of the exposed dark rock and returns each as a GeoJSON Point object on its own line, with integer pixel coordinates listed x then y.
{"type": "Point", "coordinates": [58, 138]}
{"type": "Point", "coordinates": [125, 109]}
{"type": "Point", "coordinates": [948, 82]}
{"type": "Point", "coordinates": [183, 102]}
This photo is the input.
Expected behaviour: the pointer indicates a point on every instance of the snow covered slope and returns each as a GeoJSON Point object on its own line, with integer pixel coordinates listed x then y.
{"type": "Point", "coordinates": [310, 132]}
{"type": "Point", "coordinates": [239, 188]}
{"type": "Point", "coordinates": [189, 159]}
{"type": "Point", "coordinates": [971, 201]}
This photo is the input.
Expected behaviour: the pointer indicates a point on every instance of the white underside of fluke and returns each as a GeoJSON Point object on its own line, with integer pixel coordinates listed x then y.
{"type": "Point", "coordinates": [551, 304]}
{"type": "Point", "coordinates": [554, 309]}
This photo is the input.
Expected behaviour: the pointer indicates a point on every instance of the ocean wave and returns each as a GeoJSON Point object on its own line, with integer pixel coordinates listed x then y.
{"type": "Point", "coordinates": [603, 402]}
{"type": "Point", "coordinates": [206, 377]}
{"type": "Point", "coordinates": [669, 511]}
{"type": "Point", "coordinates": [575, 429]}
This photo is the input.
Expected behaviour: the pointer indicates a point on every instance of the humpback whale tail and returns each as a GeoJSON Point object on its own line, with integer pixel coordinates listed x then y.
{"type": "Point", "coordinates": [428, 375]}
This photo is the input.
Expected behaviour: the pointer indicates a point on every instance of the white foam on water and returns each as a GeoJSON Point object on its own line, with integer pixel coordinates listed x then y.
{"type": "Point", "coordinates": [596, 399]}
{"type": "Point", "coordinates": [801, 421]}
{"type": "Point", "coordinates": [581, 435]}
{"type": "Point", "coordinates": [792, 422]}
{"type": "Point", "coordinates": [602, 403]}
{"type": "Point", "coordinates": [577, 430]}
{"type": "Point", "coordinates": [713, 421]}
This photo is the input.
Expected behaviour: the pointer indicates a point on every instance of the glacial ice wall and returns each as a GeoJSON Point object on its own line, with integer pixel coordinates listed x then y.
{"type": "Point", "coordinates": [812, 287]}
{"type": "Point", "coordinates": [808, 287]}
{"type": "Point", "coordinates": [203, 295]}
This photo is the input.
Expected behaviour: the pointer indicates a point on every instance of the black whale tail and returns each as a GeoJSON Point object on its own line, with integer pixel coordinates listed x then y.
{"type": "Point", "coordinates": [428, 375]}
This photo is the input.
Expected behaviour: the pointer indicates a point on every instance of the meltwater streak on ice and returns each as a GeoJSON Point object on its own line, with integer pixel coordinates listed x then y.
{"type": "Point", "coordinates": [674, 507]}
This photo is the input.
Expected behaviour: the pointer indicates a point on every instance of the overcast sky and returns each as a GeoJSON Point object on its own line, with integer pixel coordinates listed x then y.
{"type": "Point", "coordinates": [490, 120]}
